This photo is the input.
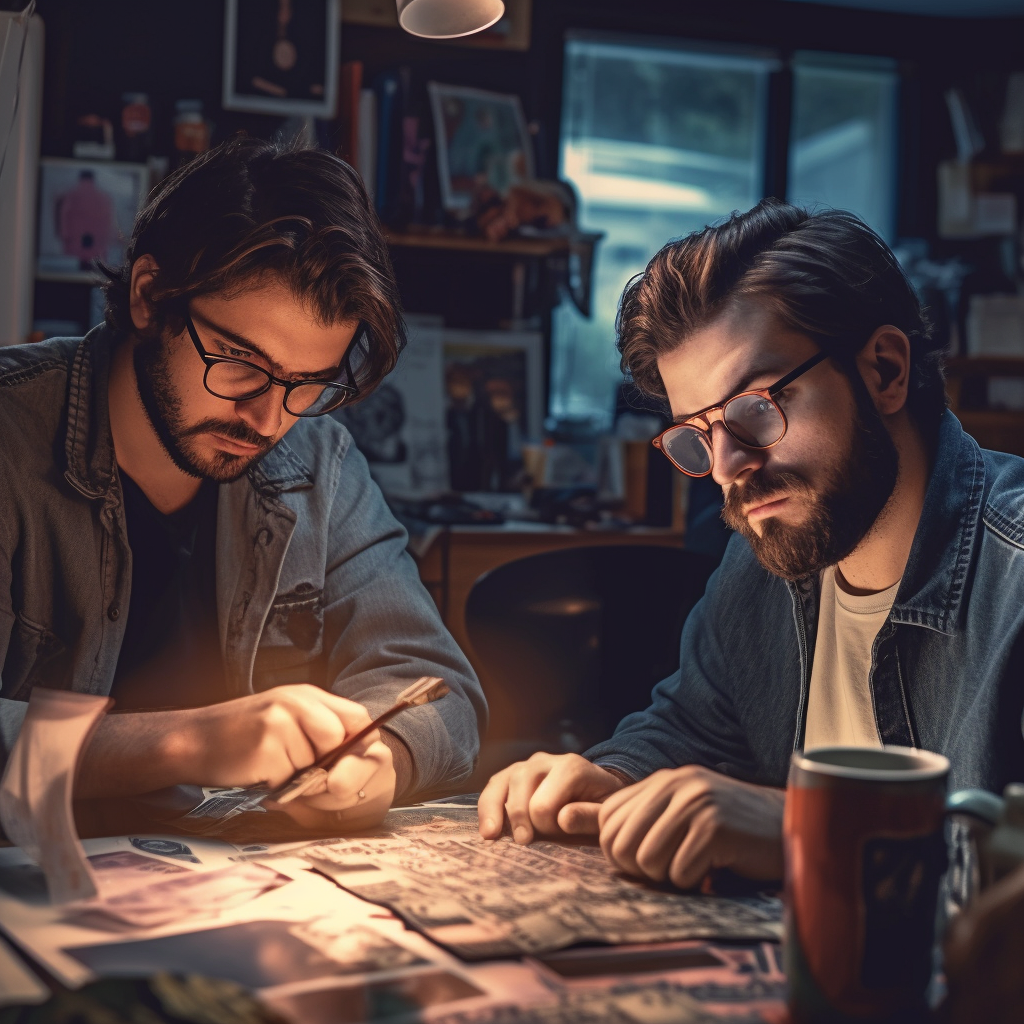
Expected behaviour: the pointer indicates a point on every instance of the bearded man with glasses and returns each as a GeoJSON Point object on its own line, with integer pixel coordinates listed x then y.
{"type": "Point", "coordinates": [874, 590]}
{"type": "Point", "coordinates": [245, 597]}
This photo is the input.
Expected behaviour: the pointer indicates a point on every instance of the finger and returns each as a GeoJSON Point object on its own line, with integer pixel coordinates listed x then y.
{"type": "Point", "coordinates": [615, 801]}
{"type": "Point", "coordinates": [570, 780]}
{"type": "Point", "coordinates": [659, 845]}
{"type": "Point", "coordinates": [562, 784]}
{"type": "Point", "coordinates": [580, 819]}
{"type": "Point", "coordinates": [320, 724]}
{"type": "Point", "coordinates": [491, 804]}
{"type": "Point", "coordinates": [695, 856]}
{"type": "Point", "coordinates": [522, 785]}
{"type": "Point", "coordinates": [351, 776]}
{"type": "Point", "coordinates": [284, 748]}
{"type": "Point", "coordinates": [626, 828]}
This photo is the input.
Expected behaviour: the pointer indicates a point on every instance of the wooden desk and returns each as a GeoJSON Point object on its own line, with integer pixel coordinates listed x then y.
{"type": "Point", "coordinates": [461, 554]}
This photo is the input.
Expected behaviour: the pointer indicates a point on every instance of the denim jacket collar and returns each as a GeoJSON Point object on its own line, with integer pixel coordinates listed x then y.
{"type": "Point", "coordinates": [89, 446]}
{"type": "Point", "coordinates": [933, 581]}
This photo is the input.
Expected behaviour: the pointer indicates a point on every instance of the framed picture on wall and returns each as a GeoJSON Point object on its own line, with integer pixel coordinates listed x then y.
{"type": "Point", "coordinates": [281, 57]}
{"type": "Point", "coordinates": [87, 211]}
{"type": "Point", "coordinates": [400, 427]}
{"type": "Point", "coordinates": [494, 403]}
{"type": "Point", "coordinates": [482, 140]}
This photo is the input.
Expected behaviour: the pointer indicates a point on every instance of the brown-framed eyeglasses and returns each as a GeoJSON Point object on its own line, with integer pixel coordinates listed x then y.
{"type": "Point", "coordinates": [754, 418]}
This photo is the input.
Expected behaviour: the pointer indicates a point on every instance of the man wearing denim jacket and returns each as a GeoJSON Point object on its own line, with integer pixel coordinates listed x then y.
{"type": "Point", "coordinates": [874, 590]}
{"type": "Point", "coordinates": [245, 597]}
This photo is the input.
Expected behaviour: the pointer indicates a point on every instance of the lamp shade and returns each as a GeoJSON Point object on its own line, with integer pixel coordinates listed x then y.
{"type": "Point", "coordinates": [448, 19]}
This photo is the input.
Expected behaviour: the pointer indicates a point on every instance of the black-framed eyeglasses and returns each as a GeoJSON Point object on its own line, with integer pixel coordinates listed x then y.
{"type": "Point", "coordinates": [237, 380]}
{"type": "Point", "coordinates": [754, 418]}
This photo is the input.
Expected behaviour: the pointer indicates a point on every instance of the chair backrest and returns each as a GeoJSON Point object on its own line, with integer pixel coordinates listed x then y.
{"type": "Point", "coordinates": [579, 636]}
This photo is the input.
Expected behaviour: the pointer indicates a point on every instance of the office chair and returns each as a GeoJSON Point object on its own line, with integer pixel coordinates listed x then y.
{"type": "Point", "coordinates": [569, 642]}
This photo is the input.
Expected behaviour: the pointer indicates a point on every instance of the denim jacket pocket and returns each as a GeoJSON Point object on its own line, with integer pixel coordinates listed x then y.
{"type": "Point", "coordinates": [36, 656]}
{"type": "Point", "coordinates": [291, 646]}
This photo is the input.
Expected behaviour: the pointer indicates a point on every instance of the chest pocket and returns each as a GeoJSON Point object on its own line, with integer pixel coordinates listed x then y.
{"type": "Point", "coordinates": [292, 645]}
{"type": "Point", "coordinates": [35, 657]}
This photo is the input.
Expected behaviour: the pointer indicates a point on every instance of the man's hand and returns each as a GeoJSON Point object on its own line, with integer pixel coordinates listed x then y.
{"type": "Point", "coordinates": [550, 794]}
{"type": "Point", "coordinates": [262, 738]}
{"type": "Point", "coordinates": [681, 823]}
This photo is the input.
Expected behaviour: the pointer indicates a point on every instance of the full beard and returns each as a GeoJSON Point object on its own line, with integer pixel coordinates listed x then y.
{"type": "Point", "coordinates": [162, 403]}
{"type": "Point", "coordinates": [840, 515]}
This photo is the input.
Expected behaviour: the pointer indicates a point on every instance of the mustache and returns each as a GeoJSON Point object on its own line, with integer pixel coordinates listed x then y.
{"type": "Point", "coordinates": [234, 430]}
{"type": "Point", "coordinates": [760, 486]}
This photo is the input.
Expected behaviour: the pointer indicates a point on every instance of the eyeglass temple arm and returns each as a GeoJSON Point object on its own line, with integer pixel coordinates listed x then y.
{"type": "Point", "coordinates": [780, 385]}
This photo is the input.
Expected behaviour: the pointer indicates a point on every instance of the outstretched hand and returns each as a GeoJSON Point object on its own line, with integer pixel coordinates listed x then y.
{"type": "Point", "coordinates": [550, 795]}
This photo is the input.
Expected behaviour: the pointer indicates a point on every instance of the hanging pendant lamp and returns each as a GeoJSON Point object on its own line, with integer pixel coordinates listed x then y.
{"type": "Point", "coordinates": [448, 19]}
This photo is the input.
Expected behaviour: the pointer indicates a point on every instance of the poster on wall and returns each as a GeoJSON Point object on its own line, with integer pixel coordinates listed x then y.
{"type": "Point", "coordinates": [86, 213]}
{"type": "Point", "coordinates": [494, 395]}
{"type": "Point", "coordinates": [400, 427]}
{"type": "Point", "coordinates": [281, 57]}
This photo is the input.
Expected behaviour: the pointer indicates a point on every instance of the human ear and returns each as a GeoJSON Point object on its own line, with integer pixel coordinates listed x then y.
{"type": "Point", "coordinates": [144, 271]}
{"type": "Point", "coordinates": [884, 365]}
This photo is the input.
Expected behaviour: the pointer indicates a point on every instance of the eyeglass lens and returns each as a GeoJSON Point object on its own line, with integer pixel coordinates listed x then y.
{"type": "Point", "coordinates": [752, 419]}
{"type": "Point", "coordinates": [235, 381]}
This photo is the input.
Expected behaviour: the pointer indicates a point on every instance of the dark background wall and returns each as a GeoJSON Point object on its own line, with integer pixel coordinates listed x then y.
{"type": "Point", "coordinates": [97, 49]}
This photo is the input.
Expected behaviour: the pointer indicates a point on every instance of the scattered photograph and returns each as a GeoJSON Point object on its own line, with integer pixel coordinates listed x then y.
{"type": "Point", "coordinates": [482, 141]}
{"type": "Point", "coordinates": [281, 57]}
{"type": "Point", "coordinates": [257, 954]}
{"type": "Point", "coordinates": [376, 1001]}
{"type": "Point", "coordinates": [86, 213]}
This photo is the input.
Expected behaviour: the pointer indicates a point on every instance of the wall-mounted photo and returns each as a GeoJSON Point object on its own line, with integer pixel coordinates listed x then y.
{"type": "Point", "coordinates": [281, 57]}
{"type": "Point", "coordinates": [482, 141]}
{"type": "Point", "coordinates": [400, 426]}
{"type": "Point", "coordinates": [494, 395]}
{"type": "Point", "coordinates": [86, 213]}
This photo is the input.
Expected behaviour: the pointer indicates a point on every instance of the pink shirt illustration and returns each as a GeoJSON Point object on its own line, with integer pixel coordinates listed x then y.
{"type": "Point", "coordinates": [85, 220]}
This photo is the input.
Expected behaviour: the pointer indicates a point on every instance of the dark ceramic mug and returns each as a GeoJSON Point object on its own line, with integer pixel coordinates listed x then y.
{"type": "Point", "coordinates": [865, 851]}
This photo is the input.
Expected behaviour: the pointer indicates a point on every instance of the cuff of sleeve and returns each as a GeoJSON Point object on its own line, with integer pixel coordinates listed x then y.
{"type": "Point", "coordinates": [621, 767]}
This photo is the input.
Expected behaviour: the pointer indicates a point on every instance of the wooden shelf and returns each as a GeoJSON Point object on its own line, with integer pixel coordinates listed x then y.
{"type": "Point", "coordinates": [437, 238]}
{"type": "Point", "coordinates": [985, 366]}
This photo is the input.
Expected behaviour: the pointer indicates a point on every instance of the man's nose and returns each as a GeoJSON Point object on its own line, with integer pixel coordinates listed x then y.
{"type": "Point", "coordinates": [732, 459]}
{"type": "Point", "coordinates": [264, 412]}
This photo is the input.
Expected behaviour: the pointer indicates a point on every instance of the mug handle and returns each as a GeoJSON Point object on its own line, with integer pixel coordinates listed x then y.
{"type": "Point", "coordinates": [986, 807]}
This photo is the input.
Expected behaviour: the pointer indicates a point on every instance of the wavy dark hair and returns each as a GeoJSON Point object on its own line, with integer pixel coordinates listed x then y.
{"type": "Point", "coordinates": [825, 274]}
{"type": "Point", "coordinates": [248, 209]}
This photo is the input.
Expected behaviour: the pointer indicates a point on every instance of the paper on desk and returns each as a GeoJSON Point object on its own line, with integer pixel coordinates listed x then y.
{"type": "Point", "coordinates": [310, 924]}
{"type": "Point", "coordinates": [35, 795]}
{"type": "Point", "coordinates": [491, 899]}
{"type": "Point", "coordinates": [18, 985]}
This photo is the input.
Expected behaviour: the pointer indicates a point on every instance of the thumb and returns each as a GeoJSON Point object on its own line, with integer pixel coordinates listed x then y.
{"type": "Point", "coordinates": [579, 819]}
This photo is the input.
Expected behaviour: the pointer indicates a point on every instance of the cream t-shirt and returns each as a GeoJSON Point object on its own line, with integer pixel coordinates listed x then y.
{"type": "Point", "coordinates": [839, 706]}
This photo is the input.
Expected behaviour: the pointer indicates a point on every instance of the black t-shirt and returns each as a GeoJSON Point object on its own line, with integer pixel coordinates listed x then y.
{"type": "Point", "coordinates": [171, 653]}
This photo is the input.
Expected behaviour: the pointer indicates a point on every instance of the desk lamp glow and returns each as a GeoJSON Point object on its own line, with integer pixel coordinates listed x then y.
{"type": "Point", "coordinates": [448, 19]}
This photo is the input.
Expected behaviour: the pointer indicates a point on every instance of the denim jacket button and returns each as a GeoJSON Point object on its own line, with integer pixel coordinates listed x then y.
{"type": "Point", "coordinates": [113, 612]}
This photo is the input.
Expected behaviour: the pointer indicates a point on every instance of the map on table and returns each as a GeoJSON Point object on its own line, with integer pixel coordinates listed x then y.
{"type": "Point", "coordinates": [485, 899]}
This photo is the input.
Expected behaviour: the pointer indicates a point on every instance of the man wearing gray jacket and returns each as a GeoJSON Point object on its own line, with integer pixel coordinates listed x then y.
{"type": "Point", "coordinates": [245, 599]}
